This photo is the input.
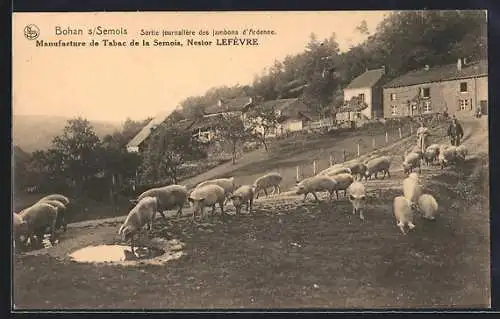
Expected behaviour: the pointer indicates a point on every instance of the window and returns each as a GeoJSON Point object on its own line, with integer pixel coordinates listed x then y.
{"type": "Point", "coordinates": [425, 92]}
{"type": "Point", "coordinates": [464, 104]}
{"type": "Point", "coordinates": [393, 96]}
{"type": "Point", "coordinates": [427, 107]}
{"type": "Point", "coordinates": [362, 96]}
{"type": "Point", "coordinates": [463, 87]}
{"type": "Point", "coordinates": [394, 110]}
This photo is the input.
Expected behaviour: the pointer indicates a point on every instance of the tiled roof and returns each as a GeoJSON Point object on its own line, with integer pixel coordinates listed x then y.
{"type": "Point", "coordinates": [367, 79]}
{"type": "Point", "coordinates": [232, 105]}
{"type": "Point", "coordinates": [440, 73]}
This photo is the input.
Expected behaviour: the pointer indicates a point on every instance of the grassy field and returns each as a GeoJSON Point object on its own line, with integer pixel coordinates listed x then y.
{"type": "Point", "coordinates": [293, 255]}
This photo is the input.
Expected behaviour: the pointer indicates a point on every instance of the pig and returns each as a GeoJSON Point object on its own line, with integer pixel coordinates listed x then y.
{"type": "Point", "coordinates": [243, 195]}
{"type": "Point", "coordinates": [433, 146]}
{"type": "Point", "coordinates": [141, 215]}
{"type": "Point", "coordinates": [411, 161]}
{"type": "Point", "coordinates": [264, 182]}
{"type": "Point", "coordinates": [342, 182]}
{"type": "Point", "coordinates": [431, 155]}
{"type": "Point", "coordinates": [61, 212]}
{"type": "Point", "coordinates": [168, 197]}
{"type": "Point", "coordinates": [318, 183]}
{"type": "Point", "coordinates": [226, 183]}
{"type": "Point", "coordinates": [376, 165]}
{"type": "Point", "coordinates": [61, 198]}
{"type": "Point", "coordinates": [331, 171]}
{"type": "Point", "coordinates": [403, 213]}
{"type": "Point", "coordinates": [447, 155]}
{"type": "Point", "coordinates": [461, 152]}
{"type": "Point", "coordinates": [38, 218]}
{"type": "Point", "coordinates": [357, 168]}
{"type": "Point", "coordinates": [357, 197]}
{"type": "Point", "coordinates": [428, 206]}
{"type": "Point", "coordinates": [412, 190]}
{"type": "Point", "coordinates": [207, 195]}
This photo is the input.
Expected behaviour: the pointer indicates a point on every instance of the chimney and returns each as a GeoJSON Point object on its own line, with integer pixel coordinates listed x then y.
{"type": "Point", "coordinates": [459, 64]}
{"type": "Point", "coordinates": [427, 67]}
{"type": "Point", "coordinates": [219, 102]}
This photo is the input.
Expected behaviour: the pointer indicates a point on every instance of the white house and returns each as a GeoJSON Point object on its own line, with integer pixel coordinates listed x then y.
{"type": "Point", "coordinates": [367, 88]}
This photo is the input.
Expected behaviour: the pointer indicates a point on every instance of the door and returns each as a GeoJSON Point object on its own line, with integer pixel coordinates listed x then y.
{"type": "Point", "coordinates": [484, 107]}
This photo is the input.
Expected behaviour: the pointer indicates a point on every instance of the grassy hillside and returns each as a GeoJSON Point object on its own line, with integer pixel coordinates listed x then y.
{"type": "Point", "coordinates": [35, 132]}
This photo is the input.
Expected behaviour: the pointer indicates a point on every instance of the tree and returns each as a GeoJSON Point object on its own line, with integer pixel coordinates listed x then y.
{"type": "Point", "coordinates": [169, 148]}
{"type": "Point", "coordinates": [116, 161]}
{"type": "Point", "coordinates": [19, 166]}
{"type": "Point", "coordinates": [45, 169]}
{"type": "Point", "coordinates": [263, 121]}
{"type": "Point", "coordinates": [320, 74]}
{"type": "Point", "coordinates": [77, 147]}
{"type": "Point", "coordinates": [232, 130]}
{"type": "Point", "coordinates": [363, 28]}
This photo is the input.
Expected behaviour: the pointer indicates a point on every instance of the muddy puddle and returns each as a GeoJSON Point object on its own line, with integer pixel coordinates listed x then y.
{"type": "Point", "coordinates": [157, 251]}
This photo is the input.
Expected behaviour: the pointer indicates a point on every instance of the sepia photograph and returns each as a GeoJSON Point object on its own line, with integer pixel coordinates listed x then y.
{"type": "Point", "coordinates": [250, 160]}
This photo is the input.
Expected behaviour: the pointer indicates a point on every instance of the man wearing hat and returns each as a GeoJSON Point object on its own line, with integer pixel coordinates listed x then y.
{"type": "Point", "coordinates": [455, 132]}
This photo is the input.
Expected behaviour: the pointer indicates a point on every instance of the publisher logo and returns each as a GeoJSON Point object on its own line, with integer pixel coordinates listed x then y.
{"type": "Point", "coordinates": [31, 32]}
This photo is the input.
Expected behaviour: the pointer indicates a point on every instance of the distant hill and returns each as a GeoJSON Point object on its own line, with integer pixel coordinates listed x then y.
{"type": "Point", "coordinates": [35, 132]}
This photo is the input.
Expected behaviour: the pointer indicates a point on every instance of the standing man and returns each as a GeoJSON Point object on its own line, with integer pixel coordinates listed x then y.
{"type": "Point", "coordinates": [455, 132]}
{"type": "Point", "coordinates": [422, 136]}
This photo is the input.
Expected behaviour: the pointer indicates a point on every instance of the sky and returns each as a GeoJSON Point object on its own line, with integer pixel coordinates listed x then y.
{"type": "Point", "coordinates": [114, 83]}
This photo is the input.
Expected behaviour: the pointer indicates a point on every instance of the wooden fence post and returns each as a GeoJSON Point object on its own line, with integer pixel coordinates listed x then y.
{"type": "Point", "coordinates": [373, 142]}
{"type": "Point", "coordinates": [297, 175]}
{"type": "Point", "coordinates": [314, 167]}
{"type": "Point", "coordinates": [344, 155]}
{"type": "Point", "coordinates": [400, 133]}
{"type": "Point", "coordinates": [386, 137]}
{"type": "Point", "coordinates": [411, 130]}
{"type": "Point", "coordinates": [358, 151]}
{"type": "Point", "coordinates": [331, 163]}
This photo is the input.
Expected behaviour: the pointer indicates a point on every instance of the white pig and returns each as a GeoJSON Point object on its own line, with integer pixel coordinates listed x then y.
{"type": "Point", "coordinates": [243, 195]}
{"type": "Point", "coordinates": [403, 213]}
{"type": "Point", "coordinates": [318, 183]}
{"type": "Point", "coordinates": [357, 197]}
{"type": "Point", "coordinates": [141, 215]}
{"type": "Point", "coordinates": [412, 189]}
{"type": "Point", "coordinates": [266, 181]}
{"type": "Point", "coordinates": [428, 206]}
{"type": "Point", "coordinates": [206, 196]}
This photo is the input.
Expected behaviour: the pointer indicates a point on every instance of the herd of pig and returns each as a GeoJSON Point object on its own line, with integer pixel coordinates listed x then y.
{"type": "Point", "coordinates": [48, 213]}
